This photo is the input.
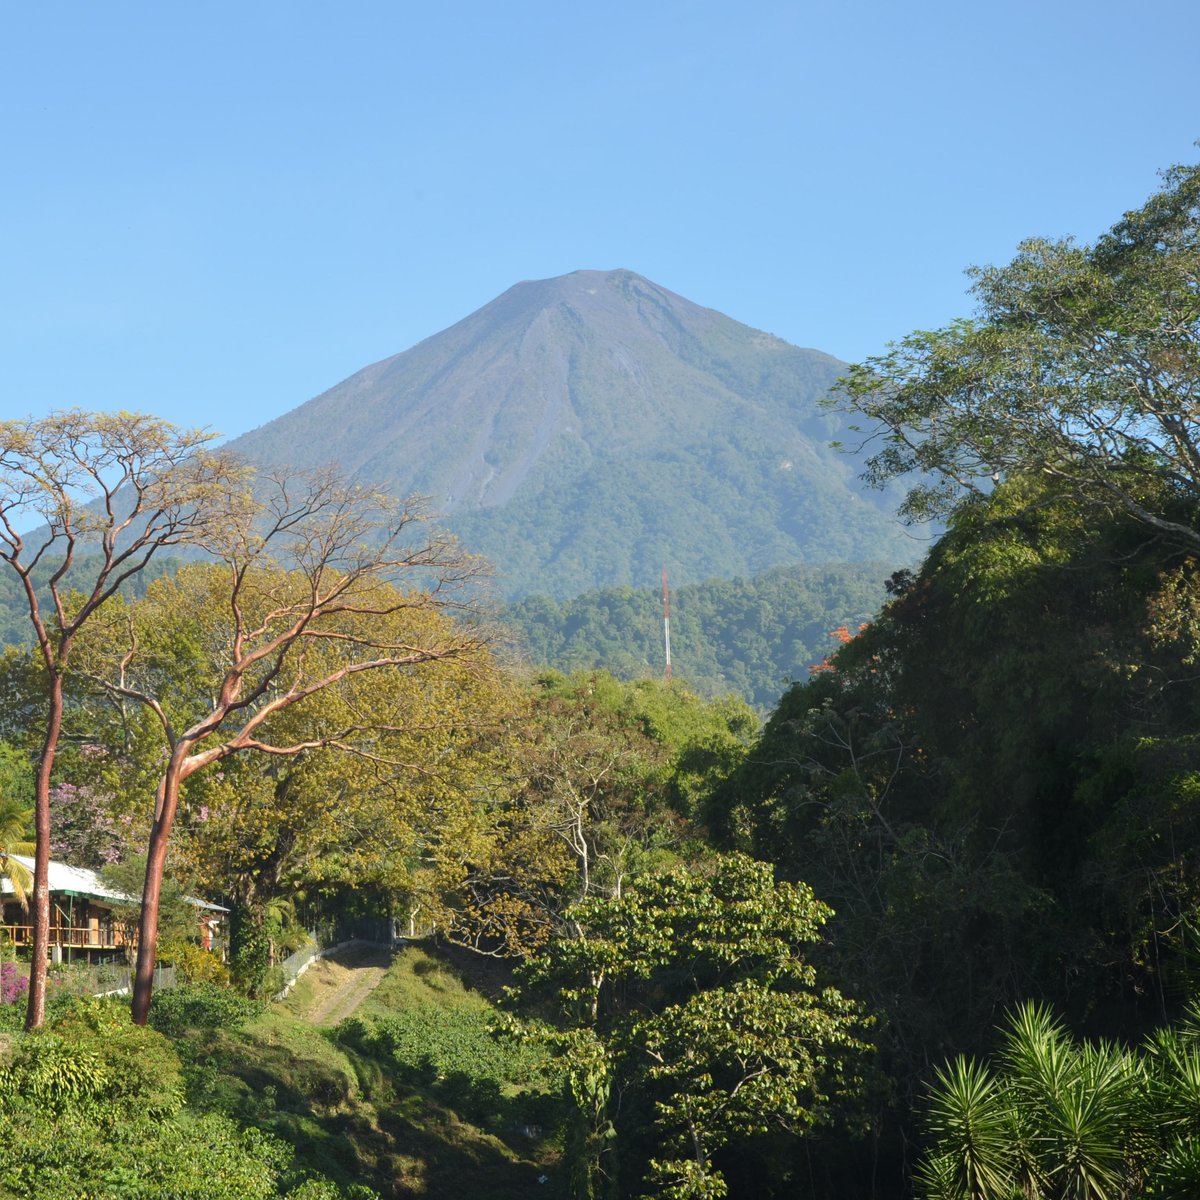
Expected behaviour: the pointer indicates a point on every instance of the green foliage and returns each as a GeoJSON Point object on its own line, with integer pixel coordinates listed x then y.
{"type": "Point", "coordinates": [1054, 1119]}
{"type": "Point", "coordinates": [990, 786]}
{"type": "Point", "coordinates": [690, 995]}
{"type": "Point", "coordinates": [995, 786]}
{"type": "Point", "coordinates": [364, 1114]}
{"type": "Point", "coordinates": [16, 776]}
{"type": "Point", "coordinates": [194, 964]}
{"type": "Point", "coordinates": [201, 1005]}
{"type": "Point", "coordinates": [185, 1158]}
{"type": "Point", "coordinates": [89, 1057]}
{"type": "Point", "coordinates": [750, 637]}
{"type": "Point", "coordinates": [1083, 367]}
{"type": "Point", "coordinates": [451, 1054]}
{"type": "Point", "coordinates": [250, 961]}
{"type": "Point", "coordinates": [658, 739]}
{"type": "Point", "coordinates": [444, 1043]}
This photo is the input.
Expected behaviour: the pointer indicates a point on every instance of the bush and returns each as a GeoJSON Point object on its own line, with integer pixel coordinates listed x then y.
{"type": "Point", "coordinates": [89, 1058]}
{"type": "Point", "coordinates": [183, 1158]}
{"type": "Point", "coordinates": [14, 984]}
{"type": "Point", "coordinates": [197, 965]}
{"type": "Point", "coordinates": [201, 1006]}
{"type": "Point", "coordinates": [56, 1075]}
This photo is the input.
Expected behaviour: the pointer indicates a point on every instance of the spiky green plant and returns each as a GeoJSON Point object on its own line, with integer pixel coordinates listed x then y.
{"type": "Point", "coordinates": [1057, 1120]}
{"type": "Point", "coordinates": [972, 1119]}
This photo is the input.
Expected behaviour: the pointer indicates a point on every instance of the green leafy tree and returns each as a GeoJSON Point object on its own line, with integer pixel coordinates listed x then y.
{"type": "Point", "coordinates": [267, 639]}
{"type": "Point", "coordinates": [1083, 366]}
{"type": "Point", "coordinates": [688, 1014]}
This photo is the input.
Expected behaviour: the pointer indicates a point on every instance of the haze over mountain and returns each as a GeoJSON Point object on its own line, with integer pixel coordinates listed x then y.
{"type": "Point", "coordinates": [583, 430]}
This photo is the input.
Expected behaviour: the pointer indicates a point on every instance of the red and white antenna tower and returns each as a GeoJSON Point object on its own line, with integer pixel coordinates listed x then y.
{"type": "Point", "coordinates": [666, 624]}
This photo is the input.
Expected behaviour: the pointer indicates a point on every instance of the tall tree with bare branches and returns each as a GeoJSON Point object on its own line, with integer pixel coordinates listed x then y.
{"type": "Point", "coordinates": [309, 583]}
{"type": "Point", "coordinates": [86, 500]}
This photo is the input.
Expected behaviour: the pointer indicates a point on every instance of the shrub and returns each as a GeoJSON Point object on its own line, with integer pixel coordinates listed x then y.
{"type": "Point", "coordinates": [201, 1005]}
{"type": "Point", "coordinates": [197, 965]}
{"type": "Point", "coordinates": [143, 1072]}
{"type": "Point", "coordinates": [183, 1157]}
{"type": "Point", "coordinates": [55, 1074]}
{"type": "Point", "coordinates": [14, 984]}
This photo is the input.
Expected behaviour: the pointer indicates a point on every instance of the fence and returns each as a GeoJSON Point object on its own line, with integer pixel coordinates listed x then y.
{"type": "Point", "coordinates": [329, 937]}
{"type": "Point", "coordinates": [109, 979]}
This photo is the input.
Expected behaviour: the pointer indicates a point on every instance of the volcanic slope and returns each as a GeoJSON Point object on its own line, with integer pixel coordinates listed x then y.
{"type": "Point", "coordinates": [584, 430]}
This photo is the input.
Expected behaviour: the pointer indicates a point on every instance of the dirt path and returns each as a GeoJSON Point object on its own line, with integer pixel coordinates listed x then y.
{"type": "Point", "coordinates": [343, 980]}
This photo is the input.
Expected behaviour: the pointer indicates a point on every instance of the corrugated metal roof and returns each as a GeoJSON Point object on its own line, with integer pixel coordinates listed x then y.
{"type": "Point", "coordinates": [79, 881]}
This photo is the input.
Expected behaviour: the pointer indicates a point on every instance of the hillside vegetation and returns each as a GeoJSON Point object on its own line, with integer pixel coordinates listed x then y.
{"type": "Point", "coordinates": [752, 637]}
{"type": "Point", "coordinates": [410, 1096]}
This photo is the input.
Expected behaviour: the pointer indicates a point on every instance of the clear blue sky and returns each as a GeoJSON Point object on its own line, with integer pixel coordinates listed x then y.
{"type": "Point", "coordinates": [215, 211]}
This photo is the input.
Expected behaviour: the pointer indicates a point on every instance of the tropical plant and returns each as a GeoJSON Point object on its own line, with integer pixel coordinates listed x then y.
{"type": "Point", "coordinates": [15, 822]}
{"type": "Point", "coordinates": [1056, 1119]}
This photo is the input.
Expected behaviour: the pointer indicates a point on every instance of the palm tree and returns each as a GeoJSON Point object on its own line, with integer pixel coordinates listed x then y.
{"type": "Point", "coordinates": [14, 839]}
{"type": "Point", "coordinates": [15, 821]}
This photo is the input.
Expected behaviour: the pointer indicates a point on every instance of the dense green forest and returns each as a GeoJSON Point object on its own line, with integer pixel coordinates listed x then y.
{"type": "Point", "coordinates": [751, 637]}
{"type": "Point", "coordinates": [930, 930]}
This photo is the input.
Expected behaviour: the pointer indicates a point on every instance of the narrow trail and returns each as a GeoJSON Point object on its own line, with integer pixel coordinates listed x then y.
{"type": "Point", "coordinates": [343, 980]}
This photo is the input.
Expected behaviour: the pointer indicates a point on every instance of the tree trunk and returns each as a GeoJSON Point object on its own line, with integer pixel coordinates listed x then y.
{"type": "Point", "coordinates": [35, 1010]}
{"type": "Point", "coordinates": [166, 803]}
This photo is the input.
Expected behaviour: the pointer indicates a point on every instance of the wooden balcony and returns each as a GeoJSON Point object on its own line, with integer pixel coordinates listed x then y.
{"type": "Point", "coordinates": [94, 936]}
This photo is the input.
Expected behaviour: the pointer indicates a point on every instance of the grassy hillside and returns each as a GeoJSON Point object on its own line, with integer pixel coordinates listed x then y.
{"type": "Point", "coordinates": [410, 1095]}
{"type": "Point", "coordinates": [223, 1098]}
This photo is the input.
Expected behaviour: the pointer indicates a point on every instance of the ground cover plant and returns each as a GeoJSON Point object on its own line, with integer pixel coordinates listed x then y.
{"type": "Point", "coordinates": [97, 1108]}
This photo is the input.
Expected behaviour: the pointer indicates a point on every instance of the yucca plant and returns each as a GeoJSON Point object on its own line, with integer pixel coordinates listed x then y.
{"type": "Point", "coordinates": [1176, 1175]}
{"type": "Point", "coordinates": [973, 1121]}
{"type": "Point", "coordinates": [1054, 1121]}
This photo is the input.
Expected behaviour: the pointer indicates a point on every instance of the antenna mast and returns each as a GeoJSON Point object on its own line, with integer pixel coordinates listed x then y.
{"type": "Point", "coordinates": [666, 624]}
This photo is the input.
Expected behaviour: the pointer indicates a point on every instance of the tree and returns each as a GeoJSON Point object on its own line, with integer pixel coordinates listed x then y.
{"type": "Point", "coordinates": [605, 780]}
{"type": "Point", "coordinates": [686, 1008]}
{"type": "Point", "coordinates": [1083, 365]}
{"type": "Point", "coordinates": [118, 487]}
{"type": "Point", "coordinates": [303, 583]}
{"type": "Point", "coordinates": [409, 819]}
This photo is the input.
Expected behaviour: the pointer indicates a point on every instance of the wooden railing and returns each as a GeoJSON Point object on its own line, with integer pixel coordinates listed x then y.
{"type": "Point", "coordinates": [82, 937]}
